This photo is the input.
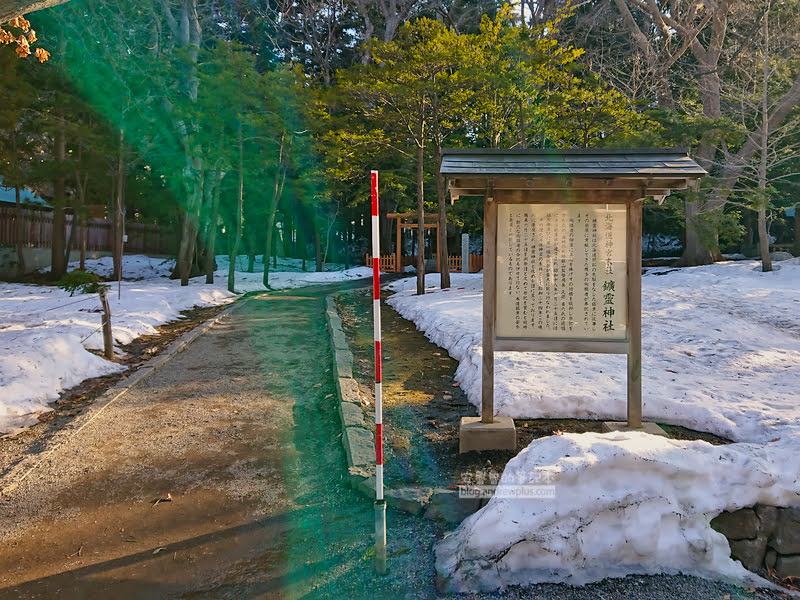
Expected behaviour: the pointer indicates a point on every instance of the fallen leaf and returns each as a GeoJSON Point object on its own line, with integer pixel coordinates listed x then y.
{"type": "Point", "coordinates": [157, 550]}
{"type": "Point", "coordinates": [671, 371]}
{"type": "Point", "coordinates": [688, 353]}
{"type": "Point", "coordinates": [167, 498]}
{"type": "Point", "coordinates": [775, 440]}
{"type": "Point", "coordinates": [457, 384]}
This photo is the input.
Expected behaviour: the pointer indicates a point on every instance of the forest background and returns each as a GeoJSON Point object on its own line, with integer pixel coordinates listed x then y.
{"type": "Point", "coordinates": [251, 124]}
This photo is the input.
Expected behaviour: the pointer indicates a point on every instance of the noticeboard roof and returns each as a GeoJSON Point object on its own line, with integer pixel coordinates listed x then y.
{"type": "Point", "coordinates": [670, 163]}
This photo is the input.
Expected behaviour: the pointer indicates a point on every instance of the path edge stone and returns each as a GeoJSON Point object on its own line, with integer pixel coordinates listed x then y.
{"type": "Point", "coordinates": [444, 505]}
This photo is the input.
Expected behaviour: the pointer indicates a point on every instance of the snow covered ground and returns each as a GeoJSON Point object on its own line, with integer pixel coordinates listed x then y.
{"type": "Point", "coordinates": [45, 333]}
{"type": "Point", "coordinates": [721, 349]}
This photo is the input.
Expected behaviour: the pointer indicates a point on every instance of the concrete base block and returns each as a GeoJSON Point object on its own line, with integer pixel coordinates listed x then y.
{"type": "Point", "coordinates": [475, 435]}
{"type": "Point", "coordinates": [651, 428]}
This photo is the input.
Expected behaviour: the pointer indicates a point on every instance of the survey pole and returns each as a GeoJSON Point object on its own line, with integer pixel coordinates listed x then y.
{"type": "Point", "coordinates": [380, 503]}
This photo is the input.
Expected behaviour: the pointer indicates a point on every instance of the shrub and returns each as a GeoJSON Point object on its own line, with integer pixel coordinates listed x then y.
{"type": "Point", "coordinates": [81, 282]}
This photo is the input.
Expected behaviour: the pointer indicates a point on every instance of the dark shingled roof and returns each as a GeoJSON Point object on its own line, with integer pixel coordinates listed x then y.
{"type": "Point", "coordinates": [602, 163]}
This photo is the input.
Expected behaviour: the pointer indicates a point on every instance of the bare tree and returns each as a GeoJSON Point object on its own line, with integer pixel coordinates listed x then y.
{"type": "Point", "coordinates": [664, 33]}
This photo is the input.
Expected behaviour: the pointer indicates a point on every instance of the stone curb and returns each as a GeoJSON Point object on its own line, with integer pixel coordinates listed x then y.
{"type": "Point", "coordinates": [11, 480]}
{"type": "Point", "coordinates": [441, 504]}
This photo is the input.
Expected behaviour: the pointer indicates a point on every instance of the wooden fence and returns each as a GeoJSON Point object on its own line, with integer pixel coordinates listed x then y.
{"type": "Point", "coordinates": [453, 262]}
{"type": "Point", "coordinates": [386, 264]}
{"type": "Point", "coordinates": [37, 232]}
{"type": "Point", "coordinates": [475, 263]}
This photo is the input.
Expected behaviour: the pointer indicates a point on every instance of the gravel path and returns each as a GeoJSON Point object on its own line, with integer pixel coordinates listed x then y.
{"type": "Point", "coordinates": [241, 431]}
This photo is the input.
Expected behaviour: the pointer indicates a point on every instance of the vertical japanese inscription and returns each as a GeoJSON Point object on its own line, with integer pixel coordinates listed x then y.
{"type": "Point", "coordinates": [561, 271]}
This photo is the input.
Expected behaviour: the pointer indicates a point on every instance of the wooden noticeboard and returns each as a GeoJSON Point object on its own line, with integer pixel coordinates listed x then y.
{"type": "Point", "coordinates": [613, 243]}
{"type": "Point", "coordinates": [563, 249]}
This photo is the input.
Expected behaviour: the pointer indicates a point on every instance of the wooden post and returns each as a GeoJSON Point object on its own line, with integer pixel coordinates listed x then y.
{"type": "Point", "coordinates": [108, 339]}
{"type": "Point", "coordinates": [634, 250]}
{"type": "Point", "coordinates": [465, 253]}
{"type": "Point", "coordinates": [489, 305]}
{"type": "Point", "coordinates": [438, 256]}
{"type": "Point", "coordinates": [399, 262]}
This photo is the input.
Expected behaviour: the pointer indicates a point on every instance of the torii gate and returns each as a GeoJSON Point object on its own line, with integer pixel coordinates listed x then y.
{"type": "Point", "coordinates": [409, 221]}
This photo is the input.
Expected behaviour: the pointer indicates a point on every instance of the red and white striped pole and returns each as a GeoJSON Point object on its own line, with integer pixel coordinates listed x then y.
{"type": "Point", "coordinates": [380, 503]}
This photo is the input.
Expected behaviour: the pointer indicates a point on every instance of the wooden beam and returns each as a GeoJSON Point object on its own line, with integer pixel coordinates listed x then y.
{"type": "Point", "coordinates": [489, 304]}
{"type": "Point", "coordinates": [399, 252]}
{"type": "Point", "coordinates": [410, 216]}
{"type": "Point", "coordinates": [634, 251]}
{"type": "Point", "coordinates": [599, 196]}
{"type": "Point", "coordinates": [561, 345]}
{"type": "Point", "coordinates": [476, 185]}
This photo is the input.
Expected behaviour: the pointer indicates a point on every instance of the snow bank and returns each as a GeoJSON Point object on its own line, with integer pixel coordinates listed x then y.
{"type": "Point", "coordinates": [625, 503]}
{"type": "Point", "coordinates": [721, 349]}
{"type": "Point", "coordinates": [46, 334]}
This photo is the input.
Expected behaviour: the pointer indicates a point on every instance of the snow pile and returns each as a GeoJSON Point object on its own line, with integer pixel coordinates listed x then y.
{"type": "Point", "coordinates": [46, 334]}
{"type": "Point", "coordinates": [625, 503]}
{"type": "Point", "coordinates": [721, 348]}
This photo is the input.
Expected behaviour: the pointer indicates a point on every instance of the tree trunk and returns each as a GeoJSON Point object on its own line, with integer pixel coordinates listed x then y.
{"type": "Point", "coordinates": [695, 251]}
{"type": "Point", "coordinates": [420, 207]}
{"type": "Point", "coordinates": [763, 235]}
{"type": "Point", "coordinates": [58, 266]}
{"type": "Point", "coordinates": [16, 8]}
{"type": "Point", "coordinates": [763, 239]}
{"type": "Point", "coordinates": [277, 192]}
{"type": "Point", "coordinates": [194, 186]}
{"type": "Point", "coordinates": [211, 254]}
{"type": "Point", "coordinates": [118, 225]}
{"type": "Point", "coordinates": [234, 250]}
{"type": "Point", "coordinates": [71, 240]}
{"type": "Point", "coordinates": [84, 225]}
{"type": "Point", "coordinates": [797, 230]}
{"type": "Point", "coordinates": [318, 245]}
{"type": "Point", "coordinates": [19, 232]}
{"type": "Point", "coordinates": [441, 194]}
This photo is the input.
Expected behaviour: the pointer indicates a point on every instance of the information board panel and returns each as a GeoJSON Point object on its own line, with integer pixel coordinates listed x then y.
{"type": "Point", "coordinates": [561, 271]}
